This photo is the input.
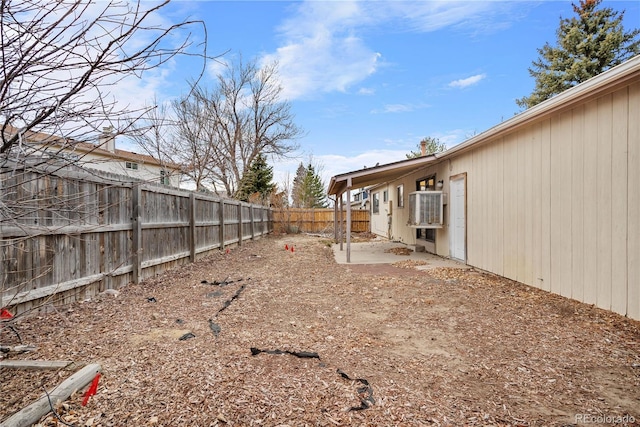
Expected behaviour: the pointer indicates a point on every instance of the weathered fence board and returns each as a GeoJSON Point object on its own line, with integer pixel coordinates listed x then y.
{"type": "Point", "coordinates": [318, 220]}
{"type": "Point", "coordinates": [66, 234]}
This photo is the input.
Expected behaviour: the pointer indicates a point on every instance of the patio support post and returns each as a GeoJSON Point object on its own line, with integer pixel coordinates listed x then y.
{"type": "Point", "coordinates": [348, 220]}
{"type": "Point", "coordinates": [340, 220]}
{"type": "Point", "coordinates": [335, 221]}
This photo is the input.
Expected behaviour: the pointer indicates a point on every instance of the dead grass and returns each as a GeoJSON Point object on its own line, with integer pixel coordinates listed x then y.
{"type": "Point", "coordinates": [439, 347]}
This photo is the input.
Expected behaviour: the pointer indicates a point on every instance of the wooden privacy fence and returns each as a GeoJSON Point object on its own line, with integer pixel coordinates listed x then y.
{"type": "Point", "coordinates": [318, 220]}
{"type": "Point", "coordinates": [67, 234]}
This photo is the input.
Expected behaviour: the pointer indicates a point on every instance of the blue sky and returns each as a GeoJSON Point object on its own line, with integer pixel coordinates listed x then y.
{"type": "Point", "coordinates": [368, 80]}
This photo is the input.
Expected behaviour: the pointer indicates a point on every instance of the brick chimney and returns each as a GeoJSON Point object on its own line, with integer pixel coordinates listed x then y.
{"type": "Point", "coordinates": [423, 147]}
{"type": "Point", "coordinates": [107, 139]}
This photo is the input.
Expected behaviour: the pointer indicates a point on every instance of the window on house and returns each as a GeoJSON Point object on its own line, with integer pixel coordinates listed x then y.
{"type": "Point", "coordinates": [164, 177]}
{"type": "Point", "coordinates": [400, 195]}
{"type": "Point", "coordinates": [375, 203]}
{"type": "Point", "coordinates": [132, 165]}
{"type": "Point", "coordinates": [385, 196]}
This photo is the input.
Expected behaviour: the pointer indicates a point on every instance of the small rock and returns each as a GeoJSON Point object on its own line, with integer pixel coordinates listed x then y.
{"type": "Point", "coordinates": [111, 292]}
{"type": "Point", "coordinates": [187, 336]}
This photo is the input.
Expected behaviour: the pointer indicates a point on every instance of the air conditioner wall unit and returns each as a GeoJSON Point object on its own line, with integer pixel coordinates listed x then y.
{"type": "Point", "coordinates": [426, 209]}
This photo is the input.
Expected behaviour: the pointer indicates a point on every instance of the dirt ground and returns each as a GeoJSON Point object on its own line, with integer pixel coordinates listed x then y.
{"type": "Point", "coordinates": [395, 347]}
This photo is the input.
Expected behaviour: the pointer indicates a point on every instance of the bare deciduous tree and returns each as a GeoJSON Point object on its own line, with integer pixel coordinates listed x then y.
{"type": "Point", "coordinates": [154, 132]}
{"type": "Point", "coordinates": [193, 143]}
{"type": "Point", "coordinates": [243, 116]}
{"type": "Point", "coordinates": [59, 59]}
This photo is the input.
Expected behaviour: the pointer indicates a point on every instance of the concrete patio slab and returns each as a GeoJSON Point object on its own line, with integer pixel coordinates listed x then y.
{"type": "Point", "coordinates": [378, 252]}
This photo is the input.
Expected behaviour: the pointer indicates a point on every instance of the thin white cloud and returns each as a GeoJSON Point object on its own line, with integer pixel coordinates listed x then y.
{"type": "Point", "coordinates": [366, 91]}
{"type": "Point", "coordinates": [217, 67]}
{"type": "Point", "coordinates": [399, 108]}
{"type": "Point", "coordinates": [469, 81]}
{"type": "Point", "coordinates": [427, 16]}
{"type": "Point", "coordinates": [324, 49]}
{"type": "Point", "coordinates": [321, 51]}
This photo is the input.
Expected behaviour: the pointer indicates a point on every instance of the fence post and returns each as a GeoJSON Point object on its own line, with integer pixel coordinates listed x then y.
{"type": "Point", "coordinates": [253, 224]}
{"type": "Point", "coordinates": [136, 233]}
{"type": "Point", "coordinates": [221, 221]}
{"type": "Point", "coordinates": [270, 220]}
{"type": "Point", "coordinates": [192, 227]}
{"type": "Point", "coordinates": [240, 233]}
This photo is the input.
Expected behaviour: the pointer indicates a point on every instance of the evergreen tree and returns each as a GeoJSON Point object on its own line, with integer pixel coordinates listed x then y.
{"type": "Point", "coordinates": [257, 180]}
{"type": "Point", "coordinates": [587, 45]}
{"type": "Point", "coordinates": [308, 190]}
{"type": "Point", "coordinates": [315, 194]}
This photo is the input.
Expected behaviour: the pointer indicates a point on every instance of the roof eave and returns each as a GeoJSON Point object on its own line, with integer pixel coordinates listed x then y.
{"type": "Point", "coordinates": [340, 183]}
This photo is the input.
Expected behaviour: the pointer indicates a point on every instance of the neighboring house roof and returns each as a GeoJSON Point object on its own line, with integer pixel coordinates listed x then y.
{"type": "Point", "coordinates": [618, 76]}
{"type": "Point", "coordinates": [87, 147]}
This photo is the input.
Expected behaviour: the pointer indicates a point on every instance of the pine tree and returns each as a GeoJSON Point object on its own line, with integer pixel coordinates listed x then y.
{"type": "Point", "coordinates": [587, 45]}
{"type": "Point", "coordinates": [257, 180]}
{"type": "Point", "coordinates": [308, 189]}
{"type": "Point", "coordinates": [315, 194]}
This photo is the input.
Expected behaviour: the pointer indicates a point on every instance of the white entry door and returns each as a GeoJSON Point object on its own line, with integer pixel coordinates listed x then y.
{"type": "Point", "coordinates": [457, 220]}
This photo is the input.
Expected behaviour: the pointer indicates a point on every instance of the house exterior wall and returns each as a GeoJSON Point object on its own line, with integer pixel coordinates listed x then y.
{"type": "Point", "coordinates": [146, 171]}
{"type": "Point", "coordinates": [555, 204]}
{"type": "Point", "coordinates": [103, 157]}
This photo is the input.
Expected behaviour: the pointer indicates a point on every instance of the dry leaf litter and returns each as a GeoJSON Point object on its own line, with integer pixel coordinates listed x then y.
{"type": "Point", "coordinates": [395, 347]}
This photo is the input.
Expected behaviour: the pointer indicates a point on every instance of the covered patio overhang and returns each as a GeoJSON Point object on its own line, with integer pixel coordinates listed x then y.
{"type": "Point", "coordinates": [343, 183]}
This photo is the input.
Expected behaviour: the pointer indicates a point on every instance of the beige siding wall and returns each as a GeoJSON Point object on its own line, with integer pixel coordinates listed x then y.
{"type": "Point", "coordinates": [556, 205]}
{"type": "Point", "coordinates": [633, 205]}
